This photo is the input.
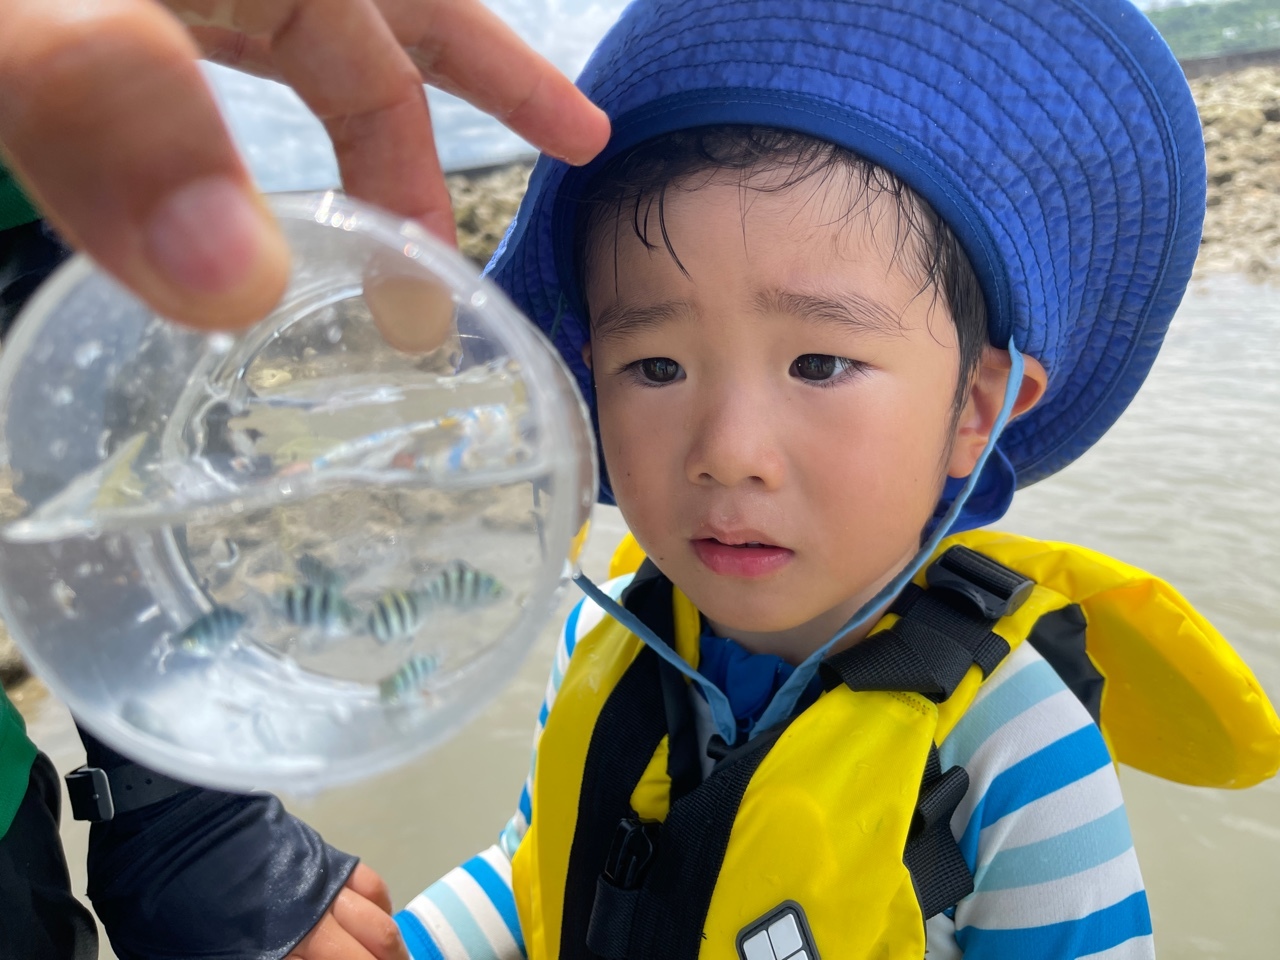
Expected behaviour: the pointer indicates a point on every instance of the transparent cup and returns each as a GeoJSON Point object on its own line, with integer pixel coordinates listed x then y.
{"type": "Point", "coordinates": [297, 556]}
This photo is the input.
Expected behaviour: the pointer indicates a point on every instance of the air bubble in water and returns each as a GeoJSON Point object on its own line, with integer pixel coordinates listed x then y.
{"type": "Point", "coordinates": [104, 440]}
{"type": "Point", "coordinates": [63, 396]}
{"type": "Point", "coordinates": [86, 353]}
{"type": "Point", "coordinates": [333, 334]}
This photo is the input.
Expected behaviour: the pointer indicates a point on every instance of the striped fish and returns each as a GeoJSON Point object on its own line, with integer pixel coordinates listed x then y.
{"type": "Point", "coordinates": [396, 615]}
{"type": "Point", "coordinates": [212, 632]}
{"type": "Point", "coordinates": [461, 585]}
{"type": "Point", "coordinates": [320, 607]}
{"type": "Point", "coordinates": [408, 680]}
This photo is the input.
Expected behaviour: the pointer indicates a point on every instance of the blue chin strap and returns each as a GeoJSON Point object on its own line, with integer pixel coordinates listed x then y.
{"type": "Point", "coordinates": [784, 701]}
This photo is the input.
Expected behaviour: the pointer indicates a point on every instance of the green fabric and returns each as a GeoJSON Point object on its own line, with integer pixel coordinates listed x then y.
{"type": "Point", "coordinates": [15, 208]}
{"type": "Point", "coordinates": [16, 755]}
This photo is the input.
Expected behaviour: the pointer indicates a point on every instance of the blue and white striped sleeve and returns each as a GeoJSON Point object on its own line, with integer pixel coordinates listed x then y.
{"type": "Point", "coordinates": [1043, 827]}
{"type": "Point", "coordinates": [470, 912]}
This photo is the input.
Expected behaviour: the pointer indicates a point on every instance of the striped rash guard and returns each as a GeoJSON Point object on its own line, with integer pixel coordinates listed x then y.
{"type": "Point", "coordinates": [1043, 829]}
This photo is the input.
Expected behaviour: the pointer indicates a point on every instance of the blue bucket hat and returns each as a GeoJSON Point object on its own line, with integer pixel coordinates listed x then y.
{"type": "Point", "coordinates": [1057, 139]}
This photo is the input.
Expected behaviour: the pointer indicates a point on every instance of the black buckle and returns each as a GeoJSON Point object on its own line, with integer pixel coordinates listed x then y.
{"type": "Point", "coordinates": [991, 588]}
{"type": "Point", "coordinates": [90, 794]}
{"type": "Point", "coordinates": [635, 843]}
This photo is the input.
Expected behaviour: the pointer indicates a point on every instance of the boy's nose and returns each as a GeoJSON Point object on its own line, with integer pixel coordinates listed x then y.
{"type": "Point", "coordinates": [734, 440]}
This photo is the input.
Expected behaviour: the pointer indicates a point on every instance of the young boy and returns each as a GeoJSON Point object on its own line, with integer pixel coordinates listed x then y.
{"type": "Point", "coordinates": [832, 249]}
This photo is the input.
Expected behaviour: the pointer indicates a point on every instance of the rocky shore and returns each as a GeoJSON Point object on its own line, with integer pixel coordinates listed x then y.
{"type": "Point", "coordinates": [1241, 117]}
{"type": "Point", "coordinates": [483, 205]}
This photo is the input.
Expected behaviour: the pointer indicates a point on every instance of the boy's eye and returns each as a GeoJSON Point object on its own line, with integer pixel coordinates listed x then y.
{"type": "Point", "coordinates": [658, 369]}
{"type": "Point", "coordinates": [818, 367]}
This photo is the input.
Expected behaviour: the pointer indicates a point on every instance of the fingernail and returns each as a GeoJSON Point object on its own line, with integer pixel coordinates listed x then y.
{"type": "Point", "coordinates": [206, 236]}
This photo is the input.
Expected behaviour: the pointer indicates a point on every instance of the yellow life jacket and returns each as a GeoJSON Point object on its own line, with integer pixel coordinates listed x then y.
{"type": "Point", "coordinates": [836, 827]}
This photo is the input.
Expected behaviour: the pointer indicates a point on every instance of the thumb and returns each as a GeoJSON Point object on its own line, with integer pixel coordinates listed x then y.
{"type": "Point", "coordinates": [107, 121]}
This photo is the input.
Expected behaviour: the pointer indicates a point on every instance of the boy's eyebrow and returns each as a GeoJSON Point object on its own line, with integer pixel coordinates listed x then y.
{"type": "Point", "coordinates": [844, 308]}
{"type": "Point", "coordinates": [620, 319]}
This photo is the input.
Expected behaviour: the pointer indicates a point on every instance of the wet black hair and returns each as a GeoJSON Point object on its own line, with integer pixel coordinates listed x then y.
{"type": "Point", "coordinates": [634, 185]}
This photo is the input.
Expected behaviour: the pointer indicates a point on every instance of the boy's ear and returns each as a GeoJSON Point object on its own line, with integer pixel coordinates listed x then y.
{"type": "Point", "coordinates": [586, 354]}
{"type": "Point", "coordinates": [986, 396]}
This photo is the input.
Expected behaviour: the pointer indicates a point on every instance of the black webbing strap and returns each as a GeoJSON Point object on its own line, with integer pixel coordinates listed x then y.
{"type": "Point", "coordinates": [665, 916]}
{"type": "Point", "coordinates": [932, 856]}
{"type": "Point", "coordinates": [649, 597]}
{"type": "Point", "coordinates": [657, 907]}
{"type": "Point", "coordinates": [651, 699]}
{"type": "Point", "coordinates": [627, 732]}
{"type": "Point", "coordinates": [941, 632]}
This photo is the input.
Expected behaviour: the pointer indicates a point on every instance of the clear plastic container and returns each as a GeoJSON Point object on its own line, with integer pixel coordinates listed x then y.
{"type": "Point", "coordinates": [293, 557]}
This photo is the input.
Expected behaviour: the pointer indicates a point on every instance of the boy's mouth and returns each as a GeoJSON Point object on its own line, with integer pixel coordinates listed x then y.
{"type": "Point", "coordinates": [737, 556]}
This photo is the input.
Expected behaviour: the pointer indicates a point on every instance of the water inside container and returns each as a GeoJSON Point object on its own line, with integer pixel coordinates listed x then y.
{"type": "Point", "coordinates": [297, 555]}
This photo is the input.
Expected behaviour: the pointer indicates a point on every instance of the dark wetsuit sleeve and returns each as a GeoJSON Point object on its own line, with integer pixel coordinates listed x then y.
{"type": "Point", "coordinates": [206, 874]}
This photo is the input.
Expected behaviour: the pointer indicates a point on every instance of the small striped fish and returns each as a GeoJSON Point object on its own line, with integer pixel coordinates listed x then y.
{"type": "Point", "coordinates": [408, 680]}
{"type": "Point", "coordinates": [461, 585]}
{"type": "Point", "coordinates": [396, 615]}
{"type": "Point", "coordinates": [211, 633]}
{"type": "Point", "coordinates": [314, 606]}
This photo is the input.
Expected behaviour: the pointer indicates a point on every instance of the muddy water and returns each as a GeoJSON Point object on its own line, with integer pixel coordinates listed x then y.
{"type": "Point", "coordinates": [1186, 485]}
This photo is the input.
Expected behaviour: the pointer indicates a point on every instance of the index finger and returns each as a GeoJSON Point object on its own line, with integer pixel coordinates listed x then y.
{"type": "Point", "coordinates": [462, 47]}
{"type": "Point", "coordinates": [107, 121]}
{"type": "Point", "coordinates": [347, 66]}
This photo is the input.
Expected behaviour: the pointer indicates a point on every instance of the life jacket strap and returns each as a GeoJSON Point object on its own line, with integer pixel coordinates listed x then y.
{"type": "Point", "coordinates": [663, 915]}
{"type": "Point", "coordinates": [938, 869]}
{"type": "Point", "coordinates": [649, 598]}
{"type": "Point", "coordinates": [628, 731]}
{"type": "Point", "coordinates": [940, 633]}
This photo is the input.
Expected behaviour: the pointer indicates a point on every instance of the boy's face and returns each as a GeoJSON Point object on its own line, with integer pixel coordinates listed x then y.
{"type": "Point", "coordinates": [777, 424]}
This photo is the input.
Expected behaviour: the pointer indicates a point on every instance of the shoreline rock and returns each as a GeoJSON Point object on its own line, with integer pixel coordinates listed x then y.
{"type": "Point", "coordinates": [484, 204]}
{"type": "Point", "coordinates": [1240, 113]}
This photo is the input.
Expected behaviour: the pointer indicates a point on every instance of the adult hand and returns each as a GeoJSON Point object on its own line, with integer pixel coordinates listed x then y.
{"type": "Point", "coordinates": [108, 122]}
{"type": "Point", "coordinates": [357, 926]}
